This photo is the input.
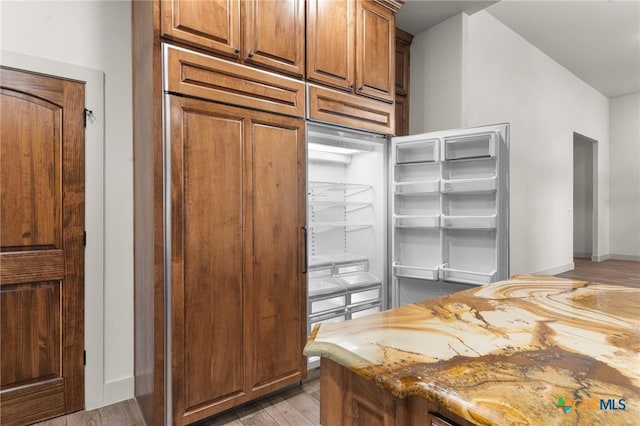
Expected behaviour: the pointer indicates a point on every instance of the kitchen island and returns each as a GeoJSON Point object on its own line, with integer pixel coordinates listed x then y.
{"type": "Point", "coordinates": [530, 350]}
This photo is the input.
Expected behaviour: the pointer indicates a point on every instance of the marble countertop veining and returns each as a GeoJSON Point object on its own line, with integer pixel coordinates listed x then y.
{"type": "Point", "coordinates": [530, 350]}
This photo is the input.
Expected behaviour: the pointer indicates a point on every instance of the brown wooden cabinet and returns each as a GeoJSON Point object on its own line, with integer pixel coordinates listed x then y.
{"type": "Point", "coordinates": [350, 45]}
{"type": "Point", "coordinates": [347, 399]}
{"type": "Point", "coordinates": [268, 34]}
{"type": "Point", "coordinates": [403, 54]}
{"type": "Point", "coordinates": [237, 305]}
{"type": "Point", "coordinates": [212, 25]}
{"type": "Point", "coordinates": [375, 50]}
{"type": "Point", "coordinates": [331, 42]}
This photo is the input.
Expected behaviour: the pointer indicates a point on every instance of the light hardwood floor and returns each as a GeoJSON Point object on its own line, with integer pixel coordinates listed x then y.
{"type": "Point", "coordinates": [300, 405]}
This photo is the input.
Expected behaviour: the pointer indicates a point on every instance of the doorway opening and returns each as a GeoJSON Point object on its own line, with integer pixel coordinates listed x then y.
{"type": "Point", "coordinates": [585, 197]}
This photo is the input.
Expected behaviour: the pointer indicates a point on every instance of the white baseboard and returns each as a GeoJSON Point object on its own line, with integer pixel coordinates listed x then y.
{"type": "Point", "coordinates": [582, 255]}
{"type": "Point", "coordinates": [600, 257]}
{"type": "Point", "coordinates": [556, 270]}
{"type": "Point", "coordinates": [631, 257]}
{"type": "Point", "coordinates": [118, 390]}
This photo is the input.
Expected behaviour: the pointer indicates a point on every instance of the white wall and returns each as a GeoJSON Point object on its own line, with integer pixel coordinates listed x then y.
{"type": "Point", "coordinates": [625, 177]}
{"type": "Point", "coordinates": [503, 78]}
{"type": "Point", "coordinates": [582, 197]}
{"type": "Point", "coordinates": [437, 56]}
{"type": "Point", "coordinates": [510, 80]}
{"type": "Point", "coordinates": [96, 35]}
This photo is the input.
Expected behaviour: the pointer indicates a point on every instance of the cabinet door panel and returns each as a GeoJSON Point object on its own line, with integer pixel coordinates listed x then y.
{"type": "Point", "coordinates": [207, 285]}
{"type": "Point", "coordinates": [213, 25]}
{"type": "Point", "coordinates": [274, 34]}
{"type": "Point", "coordinates": [375, 60]}
{"type": "Point", "coordinates": [330, 42]}
{"type": "Point", "coordinates": [403, 53]}
{"type": "Point", "coordinates": [278, 286]}
{"type": "Point", "coordinates": [402, 116]}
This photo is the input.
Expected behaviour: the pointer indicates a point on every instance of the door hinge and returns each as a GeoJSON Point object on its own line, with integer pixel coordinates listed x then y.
{"type": "Point", "coordinates": [84, 238]}
{"type": "Point", "coordinates": [84, 357]}
{"type": "Point", "coordinates": [87, 113]}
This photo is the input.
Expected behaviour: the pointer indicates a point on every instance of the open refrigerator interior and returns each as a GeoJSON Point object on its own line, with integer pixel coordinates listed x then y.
{"type": "Point", "coordinates": [449, 196]}
{"type": "Point", "coordinates": [347, 224]}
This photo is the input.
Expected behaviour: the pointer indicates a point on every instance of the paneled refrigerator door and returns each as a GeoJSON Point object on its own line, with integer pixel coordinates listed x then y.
{"type": "Point", "coordinates": [346, 212]}
{"type": "Point", "coordinates": [449, 204]}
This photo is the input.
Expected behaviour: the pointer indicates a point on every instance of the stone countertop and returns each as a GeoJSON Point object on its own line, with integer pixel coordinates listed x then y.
{"type": "Point", "coordinates": [507, 353]}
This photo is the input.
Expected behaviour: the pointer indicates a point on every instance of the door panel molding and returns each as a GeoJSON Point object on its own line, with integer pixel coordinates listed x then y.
{"type": "Point", "coordinates": [97, 392]}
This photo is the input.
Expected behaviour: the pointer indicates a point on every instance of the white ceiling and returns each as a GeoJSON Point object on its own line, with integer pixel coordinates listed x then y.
{"type": "Point", "coordinates": [597, 40]}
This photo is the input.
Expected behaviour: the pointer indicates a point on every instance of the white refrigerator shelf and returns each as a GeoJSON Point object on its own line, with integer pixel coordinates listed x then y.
{"type": "Point", "coordinates": [469, 222]}
{"type": "Point", "coordinates": [415, 272]}
{"type": "Point", "coordinates": [466, 277]}
{"type": "Point", "coordinates": [417, 187]}
{"type": "Point", "coordinates": [489, 184]}
{"type": "Point", "coordinates": [417, 221]}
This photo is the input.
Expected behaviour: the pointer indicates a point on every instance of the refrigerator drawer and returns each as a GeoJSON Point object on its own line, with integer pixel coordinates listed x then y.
{"type": "Point", "coordinates": [364, 311]}
{"type": "Point", "coordinates": [466, 277]}
{"type": "Point", "coordinates": [357, 298]}
{"type": "Point", "coordinates": [470, 185]}
{"type": "Point", "coordinates": [417, 152]}
{"type": "Point", "coordinates": [329, 304]}
{"type": "Point", "coordinates": [472, 146]}
{"type": "Point", "coordinates": [469, 222]}
{"type": "Point", "coordinates": [419, 187]}
{"type": "Point", "coordinates": [416, 272]}
{"type": "Point", "coordinates": [358, 279]}
{"type": "Point", "coordinates": [417, 221]}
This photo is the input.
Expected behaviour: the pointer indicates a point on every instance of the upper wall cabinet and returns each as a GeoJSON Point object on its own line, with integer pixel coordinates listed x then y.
{"type": "Point", "coordinates": [211, 25]}
{"type": "Point", "coordinates": [403, 53]}
{"type": "Point", "coordinates": [272, 31]}
{"type": "Point", "coordinates": [331, 42]}
{"type": "Point", "coordinates": [375, 51]}
{"type": "Point", "coordinates": [351, 45]}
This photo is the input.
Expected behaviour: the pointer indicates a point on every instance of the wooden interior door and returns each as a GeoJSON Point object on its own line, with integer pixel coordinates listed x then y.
{"type": "Point", "coordinates": [41, 247]}
{"type": "Point", "coordinates": [331, 42]}
{"type": "Point", "coordinates": [274, 34]}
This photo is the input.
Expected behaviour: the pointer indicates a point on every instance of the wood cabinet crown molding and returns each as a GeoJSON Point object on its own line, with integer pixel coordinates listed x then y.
{"type": "Point", "coordinates": [394, 5]}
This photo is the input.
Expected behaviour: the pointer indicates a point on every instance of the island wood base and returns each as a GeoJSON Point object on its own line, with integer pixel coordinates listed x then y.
{"type": "Point", "coordinates": [348, 399]}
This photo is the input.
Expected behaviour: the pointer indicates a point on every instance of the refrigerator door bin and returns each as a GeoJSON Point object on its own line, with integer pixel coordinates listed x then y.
{"type": "Point", "coordinates": [470, 169]}
{"type": "Point", "coordinates": [489, 184]}
{"type": "Point", "coordinates": [417, 172]}
{"type": "Point", "coordinates": [467, 277]}
{"type": "Point", "coordinates": [416, 187]}
{"type": "Point", "coordinates": [417, 152]}
{"type": "Point", "coordinates": [470, 146]}
{"type": "Point", "coordinates": [411, 291]}
{"type": "Point", "coordinates": [469, 204]}
{"type": "Point", "coordinates": [420, 247]}
{"type": "Point", "coordinates": [415, 272]}
{"type": "Point", "coordinates": [469, 222]}
{"type": "Point", "coordinates": [417, 204]}
{"type": "Point", "coordinates": [415, 221]}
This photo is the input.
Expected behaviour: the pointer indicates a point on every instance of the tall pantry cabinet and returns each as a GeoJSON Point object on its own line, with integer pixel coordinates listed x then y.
{"type": "Point", "coordinates": [220, 192]}
{"type": "Point", "coordinates": [220, 96]}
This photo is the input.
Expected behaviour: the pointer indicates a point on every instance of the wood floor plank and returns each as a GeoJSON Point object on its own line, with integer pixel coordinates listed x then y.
{"type": "Point", "coordinates": [259, 418]}
{"type": "Point", "coordinates": [619, 272]}
{"type": "Point", "coordinates": [84, 418]}
{"type": "Point", "coordinates": [58, 421]}
{"type": "Point", "coordinates": [286, 414]}
{"type": "Point", "coordinates": [117, 415]}
{"type": "Point", "coordinates": [226, 419]}
{"type": "Point", "coordinates": [135, 411]}
{"type": "Point", "coordinates": [307, 406]}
